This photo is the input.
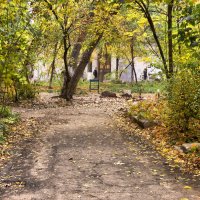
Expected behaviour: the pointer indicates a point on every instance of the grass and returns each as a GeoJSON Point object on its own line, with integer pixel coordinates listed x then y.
{"type": "Point", "coordinates": [112, 86]}
{"type": "Point", "coordinates": [144, 87]}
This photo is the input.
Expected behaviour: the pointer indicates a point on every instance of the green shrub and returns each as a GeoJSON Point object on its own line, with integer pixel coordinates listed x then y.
{"type": "Point", "coordinates": [5, 112]}
{"type": "Point", "coordinates": [143, 110]}
{"type": "Point", "coordinates": [7, 118]}
{"type": "Point", "coordinates": [26, 91]}
{"type": "Point", "coordinates": [148, 109]}
{"type": "Point", "coordinates": [2, 133]}
{"type": "Point", "coordinates": [184, 99]}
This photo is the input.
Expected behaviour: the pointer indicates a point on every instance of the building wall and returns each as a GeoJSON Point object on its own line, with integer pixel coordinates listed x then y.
{"type": "Point", "coordinates": [126, 75]}
{"type": "Point", "coordinates": [40, 71]}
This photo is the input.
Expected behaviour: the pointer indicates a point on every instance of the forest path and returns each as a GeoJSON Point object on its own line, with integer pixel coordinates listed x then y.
{"type": "Point", "coordinates": [81, 154]}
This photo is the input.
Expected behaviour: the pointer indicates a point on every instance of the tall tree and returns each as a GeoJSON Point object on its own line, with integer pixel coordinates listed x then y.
{"type": "Point", "coordinates": [17, 46]}
{"type": "Point", "coordinates": [76, 21]}
{"type": "Point", "coordinates": [144, 7]}
{"type": "Point", "coordinates": [170, 41]}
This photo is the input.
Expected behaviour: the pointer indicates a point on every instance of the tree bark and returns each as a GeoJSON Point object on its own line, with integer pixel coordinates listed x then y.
{"type": "Point", "coordinates": [52, 66]}
{"type": "Point", "coordinates": [28, 66]}
{"type": "Point", "coordinates": [158, 44]}
{"type": "Point", "coordinates": [69, 89]}
{"type": "Point", "coordinates": [99, 65]}
{"type": "Point", "coordinates": [117, 69]}
{"type": "Point", "coordinates": [133, 72]}
{"type": "Point", "coordinates": [170, 41]}
{"type": "Point", "coordinates": [124, 69]}
{"type": "Point", "coordinates": [76, 50]}
{"type": "Point", "coordinates": [66, 74]}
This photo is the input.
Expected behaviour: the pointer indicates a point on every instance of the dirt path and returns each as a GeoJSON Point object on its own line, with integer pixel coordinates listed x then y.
{"type": "Point", "coordinates": [81, 154]}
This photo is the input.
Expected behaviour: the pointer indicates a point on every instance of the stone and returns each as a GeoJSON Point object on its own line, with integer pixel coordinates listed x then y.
{"type": "Point", "coordinates": [187, 147]}
{"type": "Point", "coordinates": [126, 96]}
{"type": "Point", "coordinates": [108, 94]}
{"type": "Point", "coordinates": [144, 123]}
{"type": "Point", "coordinates": [179, 148]}
{"type": "Point", "coordinates": [127, 92]}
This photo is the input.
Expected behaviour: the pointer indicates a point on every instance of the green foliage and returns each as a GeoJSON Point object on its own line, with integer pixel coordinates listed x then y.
{"type": "Point", "coordinates": [183, 99]}
{"type": "Point", "coordinates": [26, 91]}
{"type": "Point", "coordinates": [2, 133]}
{"type": "Point", "coordinates": [149, 87]}
{"type": "Point", "coordinates": [6, 118]}
{"type": "Point", "coordinates": [5, 112]}
{"type": "Point", "coordinates": [15, 44]}
{"type": "Point", "coordinates": [148, 109]}
{"type": "Point", "coordinates": [118, 86]}
{"type": "Point", "coordinates": [6, 115]}
{"type": "Point", "coordinates": [28, 38]}
{"type": "Point", "coordinates": [142, 109]}
{"type": "Point", "coordinates": [195, 149]}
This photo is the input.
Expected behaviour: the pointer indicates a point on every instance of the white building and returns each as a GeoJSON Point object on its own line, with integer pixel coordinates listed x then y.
{"type": "Point", "coordinates": [108, 69]}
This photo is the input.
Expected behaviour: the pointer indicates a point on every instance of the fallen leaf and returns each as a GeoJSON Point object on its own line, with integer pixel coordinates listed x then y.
{"type": "Point", "coordinates": [187, 187]}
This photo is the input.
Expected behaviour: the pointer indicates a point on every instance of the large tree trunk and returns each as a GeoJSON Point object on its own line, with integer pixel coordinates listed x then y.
{"type": "Point", "coordinates": [69, 90]}
{"type": "Point", "coordinates": [73, 62]}
{"type": "Point", "coordinates": [76, 50]}
{"type": "Point", "coordinates": [170, 42]}
{"type": "Point", "coordinates": [52, 66]}
{"type": "Point", "coordinates": [66, 74]}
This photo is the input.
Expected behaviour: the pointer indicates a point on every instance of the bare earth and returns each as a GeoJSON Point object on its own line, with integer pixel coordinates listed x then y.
{"type": "Point", "coordinates": [81, 154]}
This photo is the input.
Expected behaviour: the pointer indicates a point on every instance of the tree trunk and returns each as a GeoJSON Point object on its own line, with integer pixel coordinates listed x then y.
{"type": "Point", "coordinates": [69, 89]}
{"type": "Point", "coordinates": [66, 75]}
{"type": "Point", "coordinates": [145, 10]}
{"type": "Point", "coordinates": [158, 44]}
{"type": "Point", "coordinates": [99, 65]}
{"type": "Point", "coordinates": [170, 42]}
{"type": "Point", "coordinates": [133, 72]}
{"type": "Point", "coordinates": [124, 69]}
{"type": "Point", "coordinates": [76, 50]}
{"type": "Point", "coordinates": [28, 68]}
{"type": "Point", "coordinates": [52, 66]}
{"type": "Point", "coordinates": [117, 69]}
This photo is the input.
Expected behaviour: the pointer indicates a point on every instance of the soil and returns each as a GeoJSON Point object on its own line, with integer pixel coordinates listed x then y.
{"type": "Point", "coordinates": [78, 152]}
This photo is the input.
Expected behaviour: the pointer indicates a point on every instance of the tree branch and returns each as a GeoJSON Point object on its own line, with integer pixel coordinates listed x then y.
{"type": "Point", "coordinates": [55, 14]}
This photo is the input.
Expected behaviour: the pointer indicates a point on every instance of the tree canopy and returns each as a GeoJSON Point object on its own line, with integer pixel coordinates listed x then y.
{"type": "Point", "coordinates": [41, 34]}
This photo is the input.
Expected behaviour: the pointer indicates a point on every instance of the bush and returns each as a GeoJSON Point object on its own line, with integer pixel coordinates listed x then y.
{"type": "Point", "coordinates": [148, 109]}
{"type": "Point", "coordinates": [26, 92]}
{"type": "Point", "coordinates": [183, 99]}
{"type": "Point", "coordinates": [7, 118]}
{"type": "Point", "coordinates": [5, 112]}
{"type": "Point", "coordinates": [142, 110]}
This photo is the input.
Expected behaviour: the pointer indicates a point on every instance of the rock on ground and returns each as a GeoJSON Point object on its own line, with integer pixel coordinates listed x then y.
{"type": "Point", "coordinates": [108, 94]}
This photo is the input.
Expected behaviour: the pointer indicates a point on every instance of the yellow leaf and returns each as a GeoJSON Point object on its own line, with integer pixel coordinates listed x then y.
{"type": "Point", "coordinates": [187, 187]}
{"type": "Point", "coordinates": [14, 128]}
